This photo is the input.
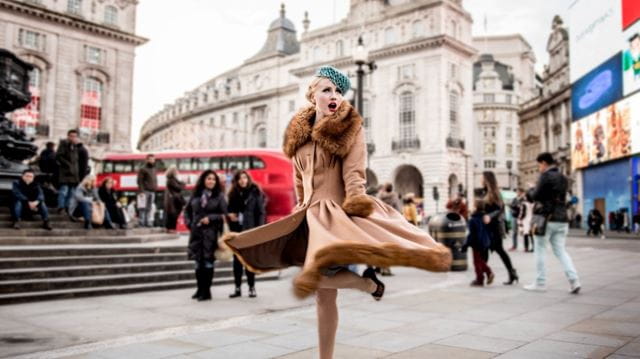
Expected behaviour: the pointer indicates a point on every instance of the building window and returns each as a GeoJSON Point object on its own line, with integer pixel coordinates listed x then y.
{"type": "Point", "coordinates": [407, 116]}
{"type": "Point", "coordinates": [489, 164]}
{"type": "Point", "coordinates": [453, 115]}
{"type": "Point", "coordinates": [74, 6]}
{"type": "Point", "coordinates": [508, 99]}
{"type": "Point", "coordinates": [223, 121]}
{"type": "Point", "coordinates": [489, 149]}
{"type": "Point", "coordinates": [509, 149]}
{"type": "Point", "coordinates": [31, 40]}
{"type": "Point", "coordinates": [366, 115]}
{"type": "Point", "coordinates": [453, 29]}
{"type": "Point", "coordinates": [317, 54]}
{"type": "Point", "coordinates": [389, 36]}
{"type": "Point", "coordinates": [292, 105]}
{"type": "Point", "coordinates": [27, 118]}
{"type": "Point", "coordinates": [453, 71]}
{"type": "Point", "coordinates": [406, 72]}
{"type": "Point", "coordinates": [235, 119]}
{"type": "Point", "coordinates": [261, 137]}
{"type": "Point", "coordinates": [417, 29]}
{"type": "Point", "coordinates": [110, 15]}
{"type": "Point", "coordinates": [94, 55]}
{"type": "Point", "coordinates": [489, 98]}
{"type": "Point", "coordinates": [91, 105]}
{"type": "Point", "coordinates": [339, 48]}
{"type": "Point", "coordinates": [509, 133]}
{"type": "Point", "coordinates": [222, 143]}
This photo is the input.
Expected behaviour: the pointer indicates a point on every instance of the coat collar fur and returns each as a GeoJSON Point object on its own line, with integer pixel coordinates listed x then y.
{"type": "Point", "coordinates": [335, 133]}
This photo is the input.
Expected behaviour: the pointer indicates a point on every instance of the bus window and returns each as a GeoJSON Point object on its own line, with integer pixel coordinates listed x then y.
{"type": "Point", "coordinates": [160, 165]}
{"type": "Point", "coordinates": [215, 163]}
{"type": "Point", "coordinates": [239, 163]}
{"type": "Point", "coordinates": [122, 166]}
{"type": "Point", "coordinates": [184, 164]}
{"type": "Point", "coordinates": [168, 162]}
{"type": "Point", "coordinates": [257, 163]}
{"type": "Point", "coordinates": [137, 164]}
{"type": "Point", "coordinates": [107, 167]}
{"type": "Point", "coordinates": [200, 164]}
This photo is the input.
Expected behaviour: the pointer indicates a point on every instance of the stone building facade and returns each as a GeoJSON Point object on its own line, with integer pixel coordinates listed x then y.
{"type": "Point", "coordinates": [503, 78]}
{"type": "Point", "coordinates": [417, 102]}
{"type": "Point", "coordinates": [83, 54]}
{"type": "Point", "coordinates": [545, 119]}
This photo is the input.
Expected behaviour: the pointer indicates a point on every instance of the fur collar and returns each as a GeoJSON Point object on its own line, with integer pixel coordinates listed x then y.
{"type": "Point", "coordinates": [335, 133]}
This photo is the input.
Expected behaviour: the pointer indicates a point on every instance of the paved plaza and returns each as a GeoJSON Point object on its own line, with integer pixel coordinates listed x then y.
{"type": "Point", "coordinates": [423, 315]}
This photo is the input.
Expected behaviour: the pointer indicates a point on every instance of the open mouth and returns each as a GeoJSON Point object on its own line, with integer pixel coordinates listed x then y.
{"type": "Point", "coordinates": [333, 106]}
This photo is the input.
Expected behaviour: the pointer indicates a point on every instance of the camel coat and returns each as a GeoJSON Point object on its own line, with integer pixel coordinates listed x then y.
{"type": "Point", "coordinates": [335, 222]}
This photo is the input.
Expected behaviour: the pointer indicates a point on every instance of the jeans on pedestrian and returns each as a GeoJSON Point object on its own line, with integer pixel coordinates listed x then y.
{"type": "Point", "coordinates": [64, 195]}
{"type": "Point", "coordinates": [145, 213]}
{"type": "Point", "coordinates": [19, 206]}
{"type": "Point", "coordinates": [556, 235]}
{"type": "Point", "coordinates": [84, 209]}
{"type": "Point", "coordinates": [515, 237]}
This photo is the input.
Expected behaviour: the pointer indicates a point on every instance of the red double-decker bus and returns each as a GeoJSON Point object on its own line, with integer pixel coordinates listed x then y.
{"type": "Point", "coordinates": [271, 169]}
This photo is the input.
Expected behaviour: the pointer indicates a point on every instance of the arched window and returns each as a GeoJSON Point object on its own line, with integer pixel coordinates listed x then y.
{"type": "Point", "coordinates": [110, 15]}
{"type": "Point", "coordinates": [261, 137]}
{"type": "Point", "coordinates": [407, 116]}
{"type": "Point", "coordinates": [27, 118]}
{"type": "Point", "coordinates": [389, 36]}
{"type": "Point", "coordinates": [91, 105]}
{"type": "Point", "coordinates": [74, 6]}
{"type": "Point", "coordinates": [454, 121]}
{"type": "Point", "coordinates": [417, 28]}
{"type": "Point", "coordinates": [339, 48]}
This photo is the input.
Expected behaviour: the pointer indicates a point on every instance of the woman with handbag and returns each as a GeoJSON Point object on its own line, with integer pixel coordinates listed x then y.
{"type": "Point", "coordinates": [173, 200]}
{"type": "Point", "coordinates": [86, 202]}
{"type": "Point", "coordinates": [246, 211]}
{"type": "Point", "coordinates": [494, 219]}
{"type": "Point", "coordinates": [113, 207]}
{"type": "Point", "coordinates": [204, 215]}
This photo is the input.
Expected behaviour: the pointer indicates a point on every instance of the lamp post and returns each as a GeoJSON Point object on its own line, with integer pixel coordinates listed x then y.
{"type": "Point", "coordinates": [361, 59]}
{"type": "Point", "coordinates": [509, 173]}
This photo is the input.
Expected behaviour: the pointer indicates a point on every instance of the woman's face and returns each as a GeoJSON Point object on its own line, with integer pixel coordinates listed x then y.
{"type": "Point", "coordinates": [327, 97]}
{"type": "Point", "coordinates": [243, 181]}
{"type": "Point", "coordinates": [108, 185]}
{"type": "Point", "coordinates": [210, 181]}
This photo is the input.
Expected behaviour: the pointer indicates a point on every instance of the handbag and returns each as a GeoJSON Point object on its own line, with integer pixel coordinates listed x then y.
{"type": "Point", "coordinates": [539, 224]}
{"type": "Point", "coordinates": [97, 213]}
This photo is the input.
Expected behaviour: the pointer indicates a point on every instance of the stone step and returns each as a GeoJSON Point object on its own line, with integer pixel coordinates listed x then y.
{"type": "Point", "coordinates": [54, 217]}
{"type": "Point", "coordinates": [98, 270]}
{"type": "Point", "coordinates": [36, 262]}
{"type": "Point", "coordinates": [103, 239]}
{"type": "Point", "coordinates": [38, 224]}
{"type": "Point", "coordinates": [63, 250]}
{"type": "Point", "coordinates": [79, 232]}
{"type": "Point", "coordinates": [38, 285]}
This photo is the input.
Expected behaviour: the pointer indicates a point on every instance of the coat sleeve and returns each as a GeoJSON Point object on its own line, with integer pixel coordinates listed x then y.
{"type": "Point", "coordinates": [223, 210]}
{"type": "Point", "coordinates": [535, 194]}
{"type": "Point", "coordinates": [299, 188]}
{"type": "Point", "coordinates": [17, 194]}
{"type": "Point", "coordinates": [356, 202]}
{"type": "Point", "coordinates": [260, 211]}
{"type": "Point", "coordinates": [188, 214]}
{"type": "Point", "coordinates": [62, 154]}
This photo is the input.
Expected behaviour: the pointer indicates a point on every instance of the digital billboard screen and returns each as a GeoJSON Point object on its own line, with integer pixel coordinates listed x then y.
{"type": "Point", "coordinates": [597, 89]}
{"type": "Point", "coordinates": [631, 59]}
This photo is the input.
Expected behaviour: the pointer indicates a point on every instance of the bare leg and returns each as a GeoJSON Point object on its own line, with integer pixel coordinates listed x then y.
{"type": "Point", "coordinates": [327, 310]}
{"type": "Point", "coordinates": [347, 280]}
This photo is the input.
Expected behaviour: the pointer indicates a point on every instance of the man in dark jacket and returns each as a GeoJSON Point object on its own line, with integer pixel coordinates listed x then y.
{"type": "Point", "coordinates": [515, 206]}
{"type": "Point", "coordinates": [47, 161]}
{"type": "Point", "coordinates": [549, 196]}
{"type": "Point", "coordinates": [147, 184]}
{"type": "Point", "coordinates": [68, 168]}
{"type": "Point", "coordinates": [26, 193]}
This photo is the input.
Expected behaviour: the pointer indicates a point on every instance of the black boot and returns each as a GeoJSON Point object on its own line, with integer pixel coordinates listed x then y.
{"type": "Point", "coordinates": [252, 292]}
{"type": "Point", "coordinates": [237, 293]}
{"type": "Point", "coordinates": [205, 289]}
{"type": "Point", "coordinates": [16, 225]}
{"type": "Point", "coordinates": [196, 295]}
{"type": "Point", "coordinates": [45, 225]}
{"type": "Point", "coordinates": [513, 277]}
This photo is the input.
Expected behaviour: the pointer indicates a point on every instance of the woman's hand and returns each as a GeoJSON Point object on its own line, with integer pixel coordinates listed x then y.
{"type": "Point", "coordinates": [204, 221]}
{"type": "Point", "coordinates": [486, 219]}
{"type": "Point", "coordinates": [233, 217]}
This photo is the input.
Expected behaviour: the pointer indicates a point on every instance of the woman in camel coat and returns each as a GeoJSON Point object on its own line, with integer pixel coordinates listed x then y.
{"type": "Point", "coordinates": [334, 223]}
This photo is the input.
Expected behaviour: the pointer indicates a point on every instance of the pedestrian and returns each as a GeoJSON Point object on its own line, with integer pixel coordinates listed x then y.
{"type": "Point", "coordinates": [47, 162]}
{"type": "Point", "coordinates": [334, 223]}
{"type": "Point", "coordinates": [85, 201]}
{"type": "Point", "coordinates": [113, 207]}
{"type": "Point", "coordinates": [524, 223]}
{"type": "Point", "coordinates": [388, 196]}
{"type": "Point", "coordinates": [173, 200]}
{"type": "Point", "coordinates": [459, 206]}
{"type": "Point", "coordinates": [549, 196]}
{"type": "Point", "coordinates": [479, 240]}
{"type": "Point", "coordinates": [204, 216]}
{"type": "Point", "coordinates": [68, 169]}
{"type": "Point", "coordinates": [515, 205]}
{"type": "Point", "coordinates": [83, 161]}
{"type": "Point", "coordinates": [246, 211]}
{"type": "Point", "coordinates": [494, 219]}
{"type": "Point", "coordinates": [595, 221]}
{"type": "Point", "coordinates": [27, 195]}
{"type": "Point", "coordinates": [147, 185]}
{"type": "Point", "coordinates": [409, 209]}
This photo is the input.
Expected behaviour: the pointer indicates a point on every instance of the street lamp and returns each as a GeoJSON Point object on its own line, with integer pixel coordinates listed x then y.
{"type": "Point", "coordinates": [509, 167]}
{"type": "Point", "coordinates": [361, 59]}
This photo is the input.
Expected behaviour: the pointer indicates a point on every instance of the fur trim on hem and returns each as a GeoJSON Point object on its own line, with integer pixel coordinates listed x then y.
{"type": "Point", "coordinates": [436, 259]}
{"type": "Point", "coordinates": [359, 205]}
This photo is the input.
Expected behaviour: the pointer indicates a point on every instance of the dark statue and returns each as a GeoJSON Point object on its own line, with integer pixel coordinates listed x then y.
{"type": "Point", "coordinates": [15, 145]}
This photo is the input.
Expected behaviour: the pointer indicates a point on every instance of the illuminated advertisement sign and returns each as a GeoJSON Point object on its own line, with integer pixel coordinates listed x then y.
{"type": "Point", "coordinates": [592, 26]}
{"type": "Point", "coordinates": [597, 89]}
{"type": "Point", "coordinates": [608, 134]}
{"type": "Point", "coordinates": [631, 59]}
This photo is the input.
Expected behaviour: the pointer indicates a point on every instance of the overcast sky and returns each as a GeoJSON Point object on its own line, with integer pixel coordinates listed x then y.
{"type": "Point", "coordinates": [192, 41]}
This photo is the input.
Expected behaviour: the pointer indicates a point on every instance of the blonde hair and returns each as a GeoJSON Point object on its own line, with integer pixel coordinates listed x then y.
{"type": "Point", "coordinates": [89, 179]}
{"type": "Point", "coordinates": [171, 171]}
{"type": "Point", "coordinates": [312, 88]}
